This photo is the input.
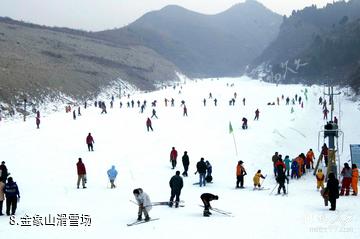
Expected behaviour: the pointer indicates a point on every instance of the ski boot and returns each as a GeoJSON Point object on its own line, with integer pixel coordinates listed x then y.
{"type": "Point", "coordinates": [139, 218]}
{"type": "Point", "coordinates": [147, 218]}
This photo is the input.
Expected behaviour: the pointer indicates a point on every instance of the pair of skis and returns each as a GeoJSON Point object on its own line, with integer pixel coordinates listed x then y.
{"type": "Point", "coordinates": [141, 222]}
{"type": "Point", "coordinates": [226, 213]}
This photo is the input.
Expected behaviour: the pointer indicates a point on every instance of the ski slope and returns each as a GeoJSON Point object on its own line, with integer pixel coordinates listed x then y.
{"type": "Point", "coordinates": [43, 163]}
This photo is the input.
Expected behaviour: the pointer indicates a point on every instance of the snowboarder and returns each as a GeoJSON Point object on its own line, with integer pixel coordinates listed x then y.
{"type": "Point", "coordinates": [240, 173]}
{"type": "Point", "coordinates": [144, 203]}
{"type": "Point", "coordinates": [206, 198]}
{"type": "Point", "coordinates": [176, 184]}
{"type": "Point", "coordinates": [90, 142]}
{"type": "Point", "coordinates": [173, 157]}
{"type": "Point", "coordinates": [332, 189]}
{"type": "Point", "coordinates": [201, 169]}
{"type": "Point", "coordinates": [81, 171]}
{"type": "Point", "coordinates": [256, 179]}
{"type": "Point", "coordinates": [347, 176]}
{"type": "Point", "coordinates": [148, 124]}
{"type": "Point", "coordinates": [186, 163]}
{"type": "Point", "coordinates": [354, 179]}
{"type": "Point", "coordinates": [12, 196]}
{"type": "Point", "coordinates": [112, 173]}
{"type": "Point", "coordinates": [320, 178]}
{"type": "Point", "coordinates": [257, 112]}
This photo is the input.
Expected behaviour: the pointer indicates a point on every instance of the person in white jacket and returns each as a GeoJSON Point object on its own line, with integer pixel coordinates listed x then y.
{"type": "Point", "coordinates": [144, 203]}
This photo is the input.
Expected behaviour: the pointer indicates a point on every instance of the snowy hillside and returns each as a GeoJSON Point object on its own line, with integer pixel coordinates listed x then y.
{"type": "Point", "coordinates": [43, 163]}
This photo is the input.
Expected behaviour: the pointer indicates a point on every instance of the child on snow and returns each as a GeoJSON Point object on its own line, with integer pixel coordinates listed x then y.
{"type": "Point", "coordinates": [256, 179]}
{"type": "Point", "coordinates": [320, 178]}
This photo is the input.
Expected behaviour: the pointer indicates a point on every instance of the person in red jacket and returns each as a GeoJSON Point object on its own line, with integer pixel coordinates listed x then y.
{"type": "Point", "coordinates": [148, 124]}
{"type": "Point", "coordinates": [173, 157]}
{"type": "Point", "coordinates": [81, 171]}
{"type": "Point", "coordinates": [90, 142]}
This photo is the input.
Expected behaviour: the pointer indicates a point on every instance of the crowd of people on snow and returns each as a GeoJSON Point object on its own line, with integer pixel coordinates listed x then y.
{"type": "Point", "coordinates": [284, 169]}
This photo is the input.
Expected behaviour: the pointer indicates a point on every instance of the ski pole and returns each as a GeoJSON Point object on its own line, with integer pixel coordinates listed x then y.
{"type": "Point", "coordinates": [273, 189]}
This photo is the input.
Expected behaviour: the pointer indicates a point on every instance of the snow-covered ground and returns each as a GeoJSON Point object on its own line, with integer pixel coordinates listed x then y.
{"type": "Point", "coordinates": [43, 163]}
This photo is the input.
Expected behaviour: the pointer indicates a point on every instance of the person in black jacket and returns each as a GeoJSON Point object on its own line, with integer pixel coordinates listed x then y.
{"type": "Point", "coordinates": [176, 184]}
{"type": "Point", "coordinates": [3, 172]}
{"type": "Point", "coordinates": [201, 169]}
{"type": "Point", "coordinates": [12, 194]}
{"type": "Point", "coordinates": [206, 198]}
{"type": "Point", "coordinates": [281, 180]}
{"type": "Point", "coordinates": [332, 188]}
{"type": "Point", "coordinates": [186, 163]}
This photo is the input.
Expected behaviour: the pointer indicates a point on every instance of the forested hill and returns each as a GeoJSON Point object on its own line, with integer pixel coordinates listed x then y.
{"type": "Point", "coordinates": [315, 46]}
{"type": "Point", "coordinates": [203, 45]}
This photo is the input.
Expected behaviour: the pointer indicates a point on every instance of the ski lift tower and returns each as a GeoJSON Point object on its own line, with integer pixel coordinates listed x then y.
{"type": "Point", "coordinates": [332, 133]}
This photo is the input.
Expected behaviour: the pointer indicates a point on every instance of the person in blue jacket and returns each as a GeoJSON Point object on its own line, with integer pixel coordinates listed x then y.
{"type": "Point", "coordinates": [294, 169]}
{"type": "Point", "coordinates": [12, 195]}
{"type": "Point", "coordinates": [112, 173]}
{"type": "Point", "coordinates": [287, 162]}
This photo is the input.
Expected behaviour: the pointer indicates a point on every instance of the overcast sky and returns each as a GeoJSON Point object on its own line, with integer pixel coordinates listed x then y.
{"type": "Point", "coordinates": [106, 14]}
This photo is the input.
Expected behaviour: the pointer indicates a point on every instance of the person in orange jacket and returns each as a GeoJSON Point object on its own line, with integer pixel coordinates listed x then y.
{"type": "Point", "coordinates": [300, 162]}
{"type": "Point", "coordinates": [320, 178]}
{"type": "Point", "coordinates": [354, 179]}
{"type": "Point", "coordinates": [310, 156]}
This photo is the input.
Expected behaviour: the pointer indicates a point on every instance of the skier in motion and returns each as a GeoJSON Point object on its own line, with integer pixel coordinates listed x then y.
{"type": "Point", "coordinates": [144, 203]}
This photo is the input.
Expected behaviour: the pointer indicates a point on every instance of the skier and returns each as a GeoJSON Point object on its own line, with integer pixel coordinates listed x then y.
{"type": "Point", "coordinates": [204, 101]}
{"type": "Point", "coordinates": [173, 157]}
{"type": "Point", "coordinates": [2, 196]}
{"type": "Point", "coordinates": [294, 169]}
{"type": "Point", "coordinates": [12, 196]}
{"type": "Point", "coordinates": [148, 124]}
{"type": "Point", "coordinates": [154, 114]}
{"type": "Point", "coordinates": [208, 177]}
{"type": "Point", "coordinates": [3, 172]}
{"type": "Point", "coordinates": [186, 162]}
{"type": "Point", "coordinates": [240, 173]}
{"type": "Point", "coordinates": [320, 100]}
{"type": "Point", "coordinates": [215, 102]}
{"type": "Point", "coordinates": [185, 111]}
{"type": "Point", "coordinates": [280, 166]}
{"type": "Point", "coordinates": [37, 122]}
{"type": "Point", "coordinates": [335, 120]}
{"type": "Point", "coordinates": [257, 112]}
{"type": "Point", "coordinates": [347, 176]}
{"type": "Point", "coordinates": [320, 178]}
{"type": "Point", "coordinates": [274, 159]}
{"type": "Point", "coordinates": [332, 188]}
{"type": "Point", "coordinates": [112, 173]}
{"type": "Point", "coordinates": [310, 159]}
{"type": "Point", "coordinates": [81, 171]}
{"type": "Point", "coordinates": [325, 112]}
{"type": "Point", "coordinates": [201, 169]}
{"type": "Point", "coordinates": [325, 153]}
{"type": "Point", "coordinates": [354, 179]}
{"type": "Point", "coordinates": [281, 181]}
{"type": "Point", "coordinates": [256, 179]}
{"type": "Point", "coordinates": [176, 184]}
{"type": "Point", "coordinates": [244, 101]}
{"type": "Point", "coordinates": [244, 125]}
{"type": "Point", "coordinates": [74, 114]}
{"type": "Point", "coordinates": [90, 142]}
{"type": "Point", "coordinates": [206, 198]}
{"type": "Point", "coordinates": [79, 111]}
{"type": "Point", "coordinates": [287, 162]}
{"type": "Point", "coordinates": [144, 203]}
